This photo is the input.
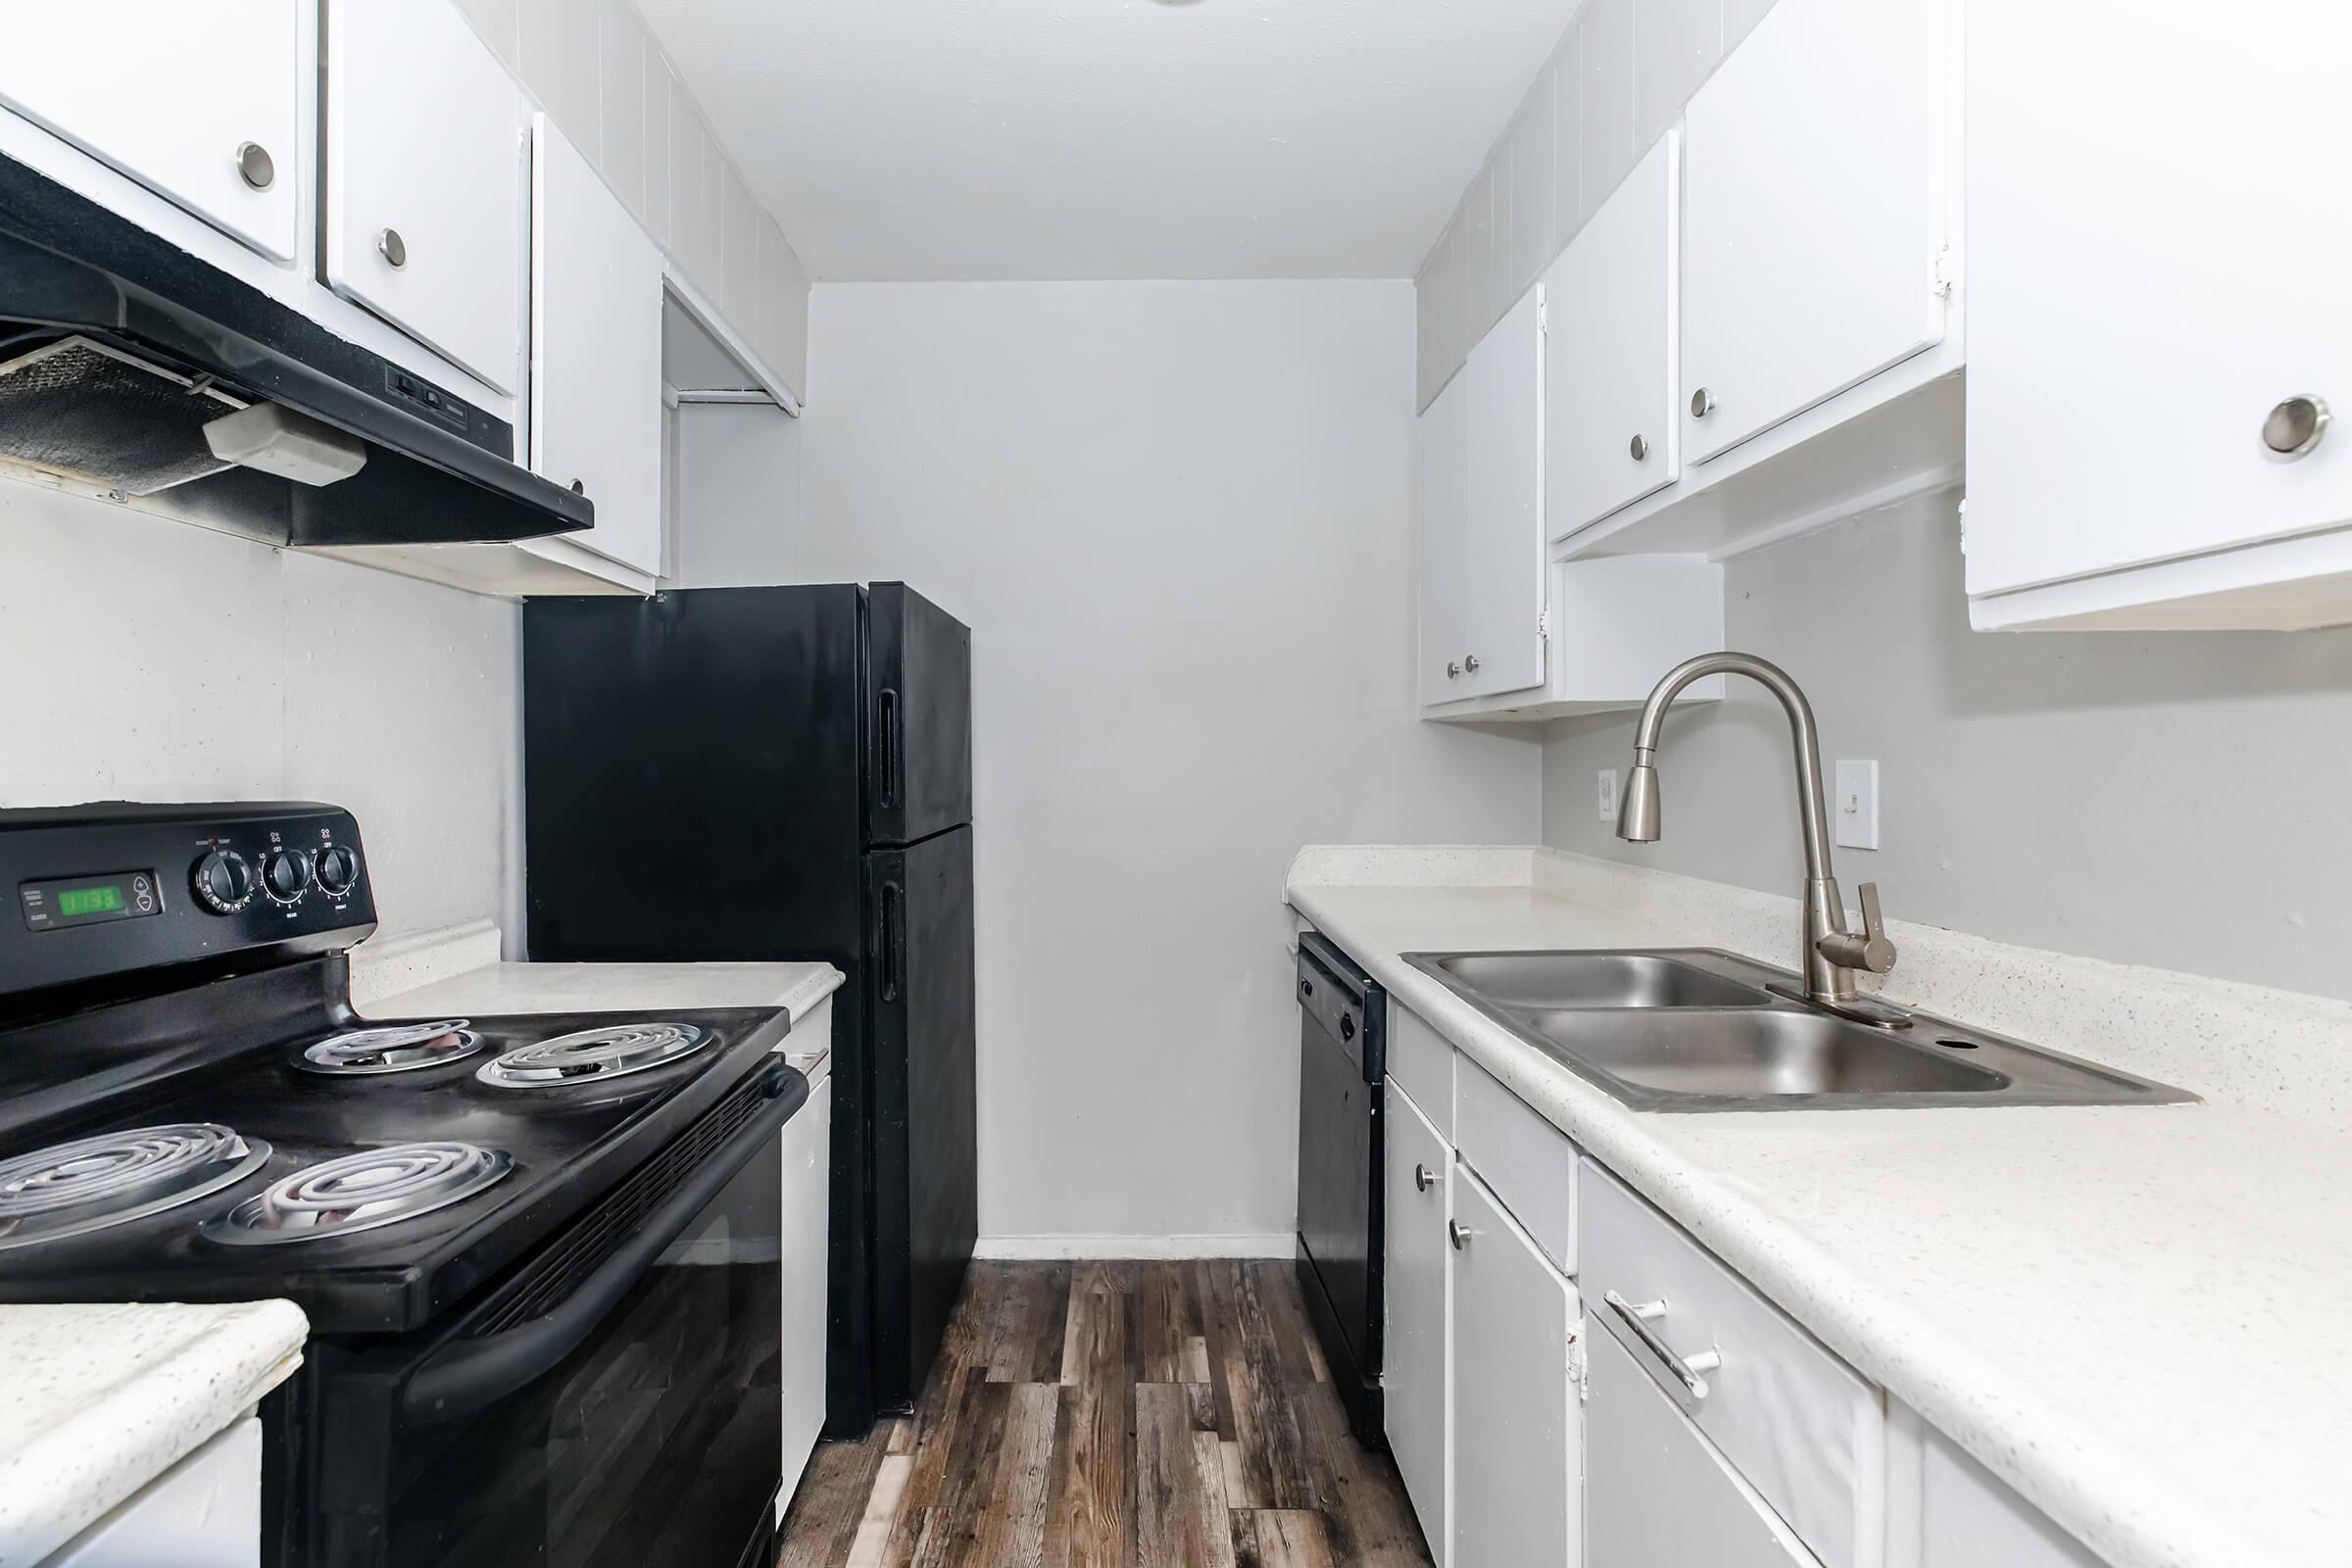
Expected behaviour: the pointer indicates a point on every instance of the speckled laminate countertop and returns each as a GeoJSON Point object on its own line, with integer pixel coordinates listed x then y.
{"type": "Point", "coordinates": [97, 1401]}
{"type": "Point", "coordinates": [2134, 1315]}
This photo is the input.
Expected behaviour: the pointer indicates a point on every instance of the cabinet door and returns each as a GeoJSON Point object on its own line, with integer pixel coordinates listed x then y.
{"type": "Point", "coordinates": [1516, 1461]}
{"type": "Point", "coordinates": [1414, 1383]}
{"type": "Point", "coordinates": [596, 352]}
{"type": "Point", "coordinates": [2150, 273]}
{"type": "Point", "coordinates": [1503, 588]}
{"type": "Point", "coordinates": [1969, 1519]}
{"type": "Point", "coordinates": [424, 180]}
{"type": "Point", "coordinates": [202, 104]}
{"type": "Point", "coordinates": [1611, 435]}
{"type": "Point", "coordinates": [1813, 205]}
{"type": "Point", "coordinates": [808, 1157]}
{"type": "Point", "coordinates": [1444, 536]}
{"type": "Point", "coordinates": [1659, 1491]}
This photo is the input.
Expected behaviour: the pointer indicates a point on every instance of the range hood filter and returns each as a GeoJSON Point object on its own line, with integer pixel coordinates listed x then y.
{"type": "Point", "coordinates": [89, 411]}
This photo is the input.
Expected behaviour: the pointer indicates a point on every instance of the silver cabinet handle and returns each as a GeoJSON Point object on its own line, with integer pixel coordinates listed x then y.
{"type": "Point", "coordinates": [1703, 404]}
{"type": "Point", "coordinates": [1458, 1234]}
{"type": "Point", "coordinates": [1639, 448]}
{"type": "Point", "coordinates": [1423, 1179]}
{"type": "Point", "coordinates": [255, 166]}
{"type": "Point", "coordinates": [392, 247]}
{"type": "Point", "coordinates": [1470, 662]}
{"type": "Point", "coordinates": [1684, 1369]}
{"type": "Point", "coordinates": [1453, 670]}
{"type": "Point", "coordinates": [2295, 427]}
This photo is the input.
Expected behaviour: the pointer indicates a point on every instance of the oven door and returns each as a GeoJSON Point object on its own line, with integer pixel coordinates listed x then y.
{"type": "Point", "coordinates": [619, 1401]}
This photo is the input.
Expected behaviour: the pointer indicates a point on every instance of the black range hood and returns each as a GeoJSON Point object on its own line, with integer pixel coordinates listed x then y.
{"type": "Point", "coordinates": [123, 359]}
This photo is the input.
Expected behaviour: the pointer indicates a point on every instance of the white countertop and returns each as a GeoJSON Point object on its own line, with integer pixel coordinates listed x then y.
{"type": "Point", "coordinates": [2140, 1317]}
{"type": "Point", "coordinates": [98, 1400]}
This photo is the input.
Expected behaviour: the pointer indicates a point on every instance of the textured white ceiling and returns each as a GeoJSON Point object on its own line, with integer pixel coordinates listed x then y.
{"type": "Point", "coordinates": [917, 139]}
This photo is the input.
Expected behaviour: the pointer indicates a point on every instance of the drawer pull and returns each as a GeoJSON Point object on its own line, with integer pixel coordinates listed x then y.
{"type": "Point", "coordinates": [1685, 1370]}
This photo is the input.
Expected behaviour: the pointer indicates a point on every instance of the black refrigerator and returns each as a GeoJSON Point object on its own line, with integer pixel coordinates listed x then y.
{"type": "Point", "coordinates": [786, 773]}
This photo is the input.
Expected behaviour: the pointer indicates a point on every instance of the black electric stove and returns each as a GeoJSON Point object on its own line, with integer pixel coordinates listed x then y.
{"type": "Point", "coordinates": [540, 1255]}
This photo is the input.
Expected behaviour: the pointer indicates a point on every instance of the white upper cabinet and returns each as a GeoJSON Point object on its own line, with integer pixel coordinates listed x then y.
{"type": "Point", "coordinates": [1445, 432]}
{"type": "Point", "coordinates": [424, 180]}
{"type": "Point", "coordinates": [1814, 210]}
{"type": "Point", "coordinates": [202, 104]}
{"type": "Point", "coordinates": [1502, 586]}
{"type": "Point", "coordinates": [1611, 434]}
{"type": "Point", "coordinates": [2157, 269]}
{"type": "Point", "coordinates": [596, 352]}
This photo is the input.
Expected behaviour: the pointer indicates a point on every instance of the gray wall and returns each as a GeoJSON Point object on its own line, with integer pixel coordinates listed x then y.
{"type": "Point", "coordinates": [2170, 799]}
{"type": "Point", "coordinates": [1178, 517]}
{"type": "Point", "coordinates": [153, 660]}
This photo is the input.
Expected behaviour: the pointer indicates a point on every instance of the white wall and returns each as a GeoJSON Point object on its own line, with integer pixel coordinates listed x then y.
{"type": "Point", "coordinates": [1178, 519]}
{"type": "Point", "coordinates": [152, 659]}
{"type": "Point", "coordinates": [2174, 799]}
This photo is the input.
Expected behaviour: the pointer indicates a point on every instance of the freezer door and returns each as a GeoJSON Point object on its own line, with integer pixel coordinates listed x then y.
{"type": "Point", "coordinates": [918, 976]}
{"type": "Point", "coordinates": [919, 718]}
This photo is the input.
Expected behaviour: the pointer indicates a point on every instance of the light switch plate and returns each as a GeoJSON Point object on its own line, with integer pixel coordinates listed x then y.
{"type": "Point", "coordinates": [1608, 795]}
{"type": "Point", "coordinates": [1856, 810]}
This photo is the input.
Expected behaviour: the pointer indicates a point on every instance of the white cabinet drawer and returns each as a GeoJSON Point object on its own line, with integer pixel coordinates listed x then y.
{"type": "Point", "coordinates": [1802, 1427]}
{"type": "Point", "coordinates": [1659, 1493]}
{"type": "Point", "coordinates": [1528, 1161]}
{"type": "Point", "coordinates": [1421, 1062]}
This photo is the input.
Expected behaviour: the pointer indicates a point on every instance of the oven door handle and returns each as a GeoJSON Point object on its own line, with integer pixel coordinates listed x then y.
{"type": "Point", "coordinates": [464, 1375]}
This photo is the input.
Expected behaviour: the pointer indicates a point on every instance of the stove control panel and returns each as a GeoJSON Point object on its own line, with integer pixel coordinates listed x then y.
{"type": "Point", "coordinates": [108, 891]}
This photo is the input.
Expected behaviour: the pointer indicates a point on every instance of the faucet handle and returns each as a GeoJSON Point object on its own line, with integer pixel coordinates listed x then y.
{"type": "Point", "coordinates": [1877, 953]}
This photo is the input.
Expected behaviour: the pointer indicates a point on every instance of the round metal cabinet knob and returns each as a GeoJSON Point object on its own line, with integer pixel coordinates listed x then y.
{"type": "Point", "coordinates": [1423, 1178]}
{"type": "Point", "coordinates": [392, 247]}
{"type": "Point", "coordinates": [1703, 404]}
{"type": "Point", "coordinates": [1458, 1234]}
{"type": "Point", "coordinates": [1470, 662]}
{"type": "Point", "coordinates": [1453, 670]}
{"type": "Point", "coordinates": [1639, 448]}
{"type": "Point", "coordinates": [255, 166]}
{"type": "Point", "coordinates": [2295, 426]}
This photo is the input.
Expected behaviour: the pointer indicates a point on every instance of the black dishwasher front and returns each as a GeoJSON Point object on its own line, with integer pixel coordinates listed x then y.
{"type": "Point", "coordinates": [1343, 1018]}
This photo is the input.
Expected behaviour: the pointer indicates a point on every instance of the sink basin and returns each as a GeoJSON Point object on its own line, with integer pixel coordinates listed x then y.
{"type": "Point", "coordinates": [1694, 1029]}
{"type": "Point", "coordinates": [1594, 980]}
{"type": "Point", "coordinates": [1760, 1053]}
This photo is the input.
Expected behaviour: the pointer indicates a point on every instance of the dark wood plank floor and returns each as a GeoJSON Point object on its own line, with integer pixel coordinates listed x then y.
{"type": "Point", "coordinates": [1110, 1415]}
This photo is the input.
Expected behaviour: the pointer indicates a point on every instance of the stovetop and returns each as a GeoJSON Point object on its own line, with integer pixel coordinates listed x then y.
{"type": "Point", "coordinates": [376, 1197]}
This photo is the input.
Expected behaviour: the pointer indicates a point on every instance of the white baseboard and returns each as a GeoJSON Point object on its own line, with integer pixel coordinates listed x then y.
{"type": "Point", "coordinates": [1056, 1248]}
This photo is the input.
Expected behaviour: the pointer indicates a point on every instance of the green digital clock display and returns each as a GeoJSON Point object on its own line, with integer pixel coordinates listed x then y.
{"type": "Point", "coordinates": [104, 900]}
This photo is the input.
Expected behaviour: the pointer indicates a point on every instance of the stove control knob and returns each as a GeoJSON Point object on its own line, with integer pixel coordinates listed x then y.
{"type": "Point", "coordinates": [223, 882]}
{"type": "Point", "coordinates": [286, 875]}
{"type": "Point", "coordinates": [337, 869]}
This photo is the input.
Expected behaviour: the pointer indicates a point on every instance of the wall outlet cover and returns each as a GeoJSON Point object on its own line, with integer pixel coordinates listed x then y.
{"type": "Point", "coordinates": [1608, 795]}
{"type": "Point", "coordinates": [1856, 810]}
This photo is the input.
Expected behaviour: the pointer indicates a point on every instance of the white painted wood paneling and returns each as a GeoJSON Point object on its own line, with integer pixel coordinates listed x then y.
{"type": "Point", "coordinates": [2149, 274]}
{"type": "Point", "coordinates": [204, 1513]}
{"type": "Point", "coordinates": [424, 137]}
{"type": "Point", "coordinates": [1517, 1454]}
{"type": "Point", "coordinates": [808, 1190]}
{"type": "Point", "coordinates": [1813, 202]}
{"type": "Point", "coordinates": [113, 78]}
{"type": "Point", "coordinates": [1611, 352]}
{"type": "Point", "coordinates": [1526, 1162]}
{"type": "Point", "coordinates": [1969, 1519]}
{"type": "Point", "coordinates": [1502, 592]}
{"type": "Point", "coordinates": [1421, 1062]}
{"type": "Point", "coordinates": [1416, 1350]}
{"type": "Point", "coordinates": [595, 353]}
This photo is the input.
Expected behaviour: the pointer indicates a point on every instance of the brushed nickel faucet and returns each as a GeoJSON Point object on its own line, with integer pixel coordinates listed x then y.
{"type": "Point", "coordinates": [1832, 953]}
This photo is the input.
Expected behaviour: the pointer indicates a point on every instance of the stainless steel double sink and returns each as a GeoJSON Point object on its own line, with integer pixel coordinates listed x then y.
{"type": "Point", "coordinates": [1696, 1029]}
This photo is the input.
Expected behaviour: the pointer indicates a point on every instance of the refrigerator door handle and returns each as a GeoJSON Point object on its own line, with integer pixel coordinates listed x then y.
{"type": "Point", "coordinates": [893, 743]}
{"type": "Point", "coordinates": [893, 942]}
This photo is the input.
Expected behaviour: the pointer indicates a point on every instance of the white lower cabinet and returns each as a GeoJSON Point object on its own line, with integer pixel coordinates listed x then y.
{"type": "Point", "coordinates": [1517, 1357]}
{"type": "Point", "coordinates": [808, 1156]}
{"type": "Point", "coordinates": [204, 1513]}
{"type": "Point", "coordinates": [1413, 1381]}
{"type": "Point", "coordinates": [1968, 1519]}
{"type": "Point", "coordinates": [1659, 1492]}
